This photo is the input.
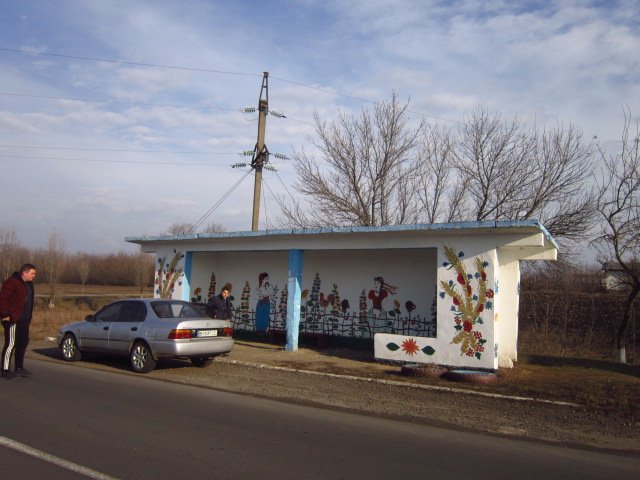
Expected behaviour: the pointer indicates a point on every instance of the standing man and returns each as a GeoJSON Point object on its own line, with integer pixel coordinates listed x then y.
{"type": "Point", "coordinates": [16, 307]}
{"type": "Point", "coordinates": [220, 306]}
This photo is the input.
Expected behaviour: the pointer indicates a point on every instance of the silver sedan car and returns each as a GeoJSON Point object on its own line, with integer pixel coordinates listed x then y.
{"type": "Point", "coordinates": [147, 330]}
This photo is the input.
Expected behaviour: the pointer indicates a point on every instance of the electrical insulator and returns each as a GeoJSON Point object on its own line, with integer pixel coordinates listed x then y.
{"type": "Point", "coordinates": [248, 110]}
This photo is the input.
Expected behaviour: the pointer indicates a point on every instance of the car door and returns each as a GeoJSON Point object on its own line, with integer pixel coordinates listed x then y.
{"type": "Point", "coordinates": [130, 316]}
{"type": "Point", "coordinates": [95, 334]}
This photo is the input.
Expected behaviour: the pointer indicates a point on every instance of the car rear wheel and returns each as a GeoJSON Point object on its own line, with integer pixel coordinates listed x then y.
{"type": "Point", "coordinates": [201, 361]}
{"type": "Point", "coordinates": [69, 348]}
{"type": "Point", "coordinates": [142, 360]}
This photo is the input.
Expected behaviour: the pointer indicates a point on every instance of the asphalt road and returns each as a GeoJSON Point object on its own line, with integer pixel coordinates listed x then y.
{"type": "Point", "coordinates": [73, 422]}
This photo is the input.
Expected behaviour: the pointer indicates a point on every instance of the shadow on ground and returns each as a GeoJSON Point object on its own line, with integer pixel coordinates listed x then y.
{"type": "Point", "coordinates": [119, 363]}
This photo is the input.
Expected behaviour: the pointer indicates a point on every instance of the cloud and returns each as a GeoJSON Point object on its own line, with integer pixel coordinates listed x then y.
{"type": "Point", "coordinates": [119, 144]}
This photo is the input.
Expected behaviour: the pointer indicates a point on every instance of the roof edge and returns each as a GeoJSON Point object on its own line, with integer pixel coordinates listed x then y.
{"type": "Point", "coordinates": [426, 227]}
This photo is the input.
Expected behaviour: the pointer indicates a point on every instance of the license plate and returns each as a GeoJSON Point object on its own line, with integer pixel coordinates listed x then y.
{"type": "Point", "coordinates": [207, 333]}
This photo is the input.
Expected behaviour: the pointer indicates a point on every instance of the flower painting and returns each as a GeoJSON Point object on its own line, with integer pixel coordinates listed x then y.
{"type": "Point", "coordinates": [468, 302]}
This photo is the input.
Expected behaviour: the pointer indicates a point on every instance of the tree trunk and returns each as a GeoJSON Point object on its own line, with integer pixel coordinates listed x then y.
{"type": "Point", "coordinates": [622, 354]}
{"type": "Point", "coordinates": [624, 325]}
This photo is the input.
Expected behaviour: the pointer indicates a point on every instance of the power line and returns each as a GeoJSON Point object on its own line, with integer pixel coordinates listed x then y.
{"type": "Point", "coordinates": [95, 160]}
{"type": "Point", "coordinates": [219, 202]}
{"type": "Point", "coordinates": [145, 104]}
{"type": "Point", "coordinates": [324, 90]}
{"type": "Point", "coordinates": [125, 62]}
{"type": "Point", "coordinates": [89, 100]}
{"type": "Point", "coordinates": [285, 187]}
{"type": "Point", "coordinates": [47, 147]}
{"type": "Point", "coordinates": [300, 121]}
{"type": "Point", "coordinates": [205, 70]}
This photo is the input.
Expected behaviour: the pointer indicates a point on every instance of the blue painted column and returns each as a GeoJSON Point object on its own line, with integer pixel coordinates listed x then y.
{"type": "Point", "coordinates": [186, 278]}
{"type": "Point", "coordinates": [294, 288]}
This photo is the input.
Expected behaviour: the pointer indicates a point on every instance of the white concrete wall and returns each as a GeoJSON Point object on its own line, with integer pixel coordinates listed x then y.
{"type": "Point", "coordinates": [508, 309]}
{"type": "Point", "coordinates": [466, 333]}
{"type": "Point", "coordinates": [405, 300]}
{"type": "Point", "coordinates": [238, 268]}
{"type": "Point", "coordinates": [467, 275]}
{"type": "Point", "coordinates": [339, 293]}
{"type": "Point", "coordinates": [244, 270]}
{"type": "Point", "coordinates": [334, 284]}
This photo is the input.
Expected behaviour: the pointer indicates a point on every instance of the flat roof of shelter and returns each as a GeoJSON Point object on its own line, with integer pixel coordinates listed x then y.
{"type": "Point", "coordinates": [430, 229]}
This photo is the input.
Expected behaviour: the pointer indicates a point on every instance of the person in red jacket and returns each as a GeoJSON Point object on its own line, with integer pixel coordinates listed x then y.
{"type": "Point", "coordinates": [16, 307]}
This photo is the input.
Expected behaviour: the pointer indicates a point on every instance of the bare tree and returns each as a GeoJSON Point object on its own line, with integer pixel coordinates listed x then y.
{"type": "Point", "coordinates": [438, 188]}
{"type": "Point", "coordinates": [363, 177]}
{"type": "Point", "coordinates": [558, 193]}
{"type": "Point", "coordinates": [496, 159]}
{"type": "Point", "coordinates": [54, 257]}
{"type": "Point", "coordinates": [374, 169]}
{"type": "Point", "coordinates": [214, 227]}
{"type": "Point", "coordinates": [618, 203]}
{"type": "Point", "coordinates": [10, 252]}
{"type": "Point", "coordinates": [84, 267]}
{"type": "Point", "coordinates": [497, 169]}
{"type": "Point", "coordinates": [188, 228]}
{"type": "Point", "coordinates": [143, 270]}
{"type": "Point", "coordinates": [180, 229]}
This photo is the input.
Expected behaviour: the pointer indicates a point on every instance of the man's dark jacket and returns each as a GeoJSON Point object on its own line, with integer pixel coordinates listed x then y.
{"type": "Point", "coordinates": [219, 307]}
{"type": "Point", "coordinates": [16, 299]}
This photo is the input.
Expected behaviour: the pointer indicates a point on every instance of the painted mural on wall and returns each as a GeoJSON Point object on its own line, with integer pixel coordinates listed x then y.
{"type": "Point", "coordinates": [263, 306]}
{"type": "Point", "coordinates": [410, 346]}
{"type": "Point", "coordinates": [168, 274]}
{"type": "Point", "coordinates": [466, 318]}
{"type": "Point", "coordinates": [470, 297]}
{"type": "Point", "coordinates": [379, 308]}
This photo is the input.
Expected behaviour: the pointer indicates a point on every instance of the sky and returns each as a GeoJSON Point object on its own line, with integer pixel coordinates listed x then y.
{"type": "Point", "coordinates": [120, 118]}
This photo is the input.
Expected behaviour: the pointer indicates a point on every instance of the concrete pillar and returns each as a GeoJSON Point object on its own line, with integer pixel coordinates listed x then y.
{"type": "Point", "coordinates": [186, 278]}
{"type": "Point", "coordinates": [294, 287]}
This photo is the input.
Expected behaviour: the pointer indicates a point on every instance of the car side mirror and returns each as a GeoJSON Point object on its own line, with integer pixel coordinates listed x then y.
{"type": "Point", "coordinates": [89, 318]}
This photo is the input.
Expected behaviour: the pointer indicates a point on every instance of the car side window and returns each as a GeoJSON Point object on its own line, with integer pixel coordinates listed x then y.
{"type": "Point", "coordinates": [162, 309]}
{"type": "Point", "coordinates": [109, 313]}
{"type": "Point", "coordinates": [132, 312]}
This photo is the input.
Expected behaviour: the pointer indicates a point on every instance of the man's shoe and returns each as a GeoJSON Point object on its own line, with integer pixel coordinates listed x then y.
{"type": "Point", "coordinates": [23, 372]}
{"type": "Point", "coordinates": [8, 375]}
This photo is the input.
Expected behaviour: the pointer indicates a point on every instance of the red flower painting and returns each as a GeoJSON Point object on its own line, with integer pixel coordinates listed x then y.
{"type": "Point", "coordinates": [410, 346]}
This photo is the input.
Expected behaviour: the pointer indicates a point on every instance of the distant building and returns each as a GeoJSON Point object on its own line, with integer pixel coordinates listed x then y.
{"type": "Point", "coordinates": [613, 276]}
{"type": "Point", "coordinates": [435, 293]}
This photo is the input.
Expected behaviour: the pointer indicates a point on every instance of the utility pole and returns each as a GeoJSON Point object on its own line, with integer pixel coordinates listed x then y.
{"type": "Point", "coordinates": [260, 153]}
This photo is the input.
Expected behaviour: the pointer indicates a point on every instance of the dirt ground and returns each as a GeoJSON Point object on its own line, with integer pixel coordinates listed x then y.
{"type": "Point", "coordinates": [566, 401]}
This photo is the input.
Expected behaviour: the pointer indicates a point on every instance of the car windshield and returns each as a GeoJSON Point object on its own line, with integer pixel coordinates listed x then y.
{"type": "Point", "coordinates": [174, 309]}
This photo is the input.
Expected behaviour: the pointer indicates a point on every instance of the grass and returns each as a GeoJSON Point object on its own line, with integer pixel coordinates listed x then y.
{"type": "Point", "coordinates": [597, 384]}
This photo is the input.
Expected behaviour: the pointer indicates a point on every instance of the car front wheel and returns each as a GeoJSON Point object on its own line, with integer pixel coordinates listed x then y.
{"type": "Point", "coordinates": [201, 361]}
{"type": "Point", "coordinates": [142, 360]}
{"type": "Point", "coordinates": [69, 348]}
